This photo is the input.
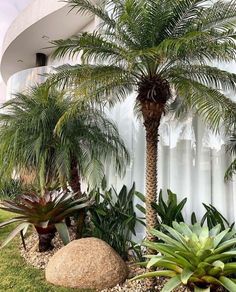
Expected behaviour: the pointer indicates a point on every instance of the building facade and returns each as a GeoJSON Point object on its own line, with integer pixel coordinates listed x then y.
{"type": "Point", "coordinates": [192, 160]}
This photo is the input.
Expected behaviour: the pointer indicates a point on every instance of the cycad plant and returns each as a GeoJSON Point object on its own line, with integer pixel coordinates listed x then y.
{"type": "Point", "coordinates": [29, 139]}
{"type": "Point", "coordinates": [162, 50]}
{"type": "Point", "coordinates": [194, 256]}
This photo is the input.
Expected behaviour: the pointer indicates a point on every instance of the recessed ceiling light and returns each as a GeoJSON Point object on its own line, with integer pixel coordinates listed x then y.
{"type": "Point", "coordinates": [45, 37]}
{"type": "Point", "coordinates": [19, 61]}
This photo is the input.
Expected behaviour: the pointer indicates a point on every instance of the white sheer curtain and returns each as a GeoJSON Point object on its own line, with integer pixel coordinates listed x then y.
{"type": "Point", "coordinates": [192, 161]}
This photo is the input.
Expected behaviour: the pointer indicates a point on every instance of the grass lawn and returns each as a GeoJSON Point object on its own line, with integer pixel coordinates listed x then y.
{"type": "Point", "coordinates": [15, 274]}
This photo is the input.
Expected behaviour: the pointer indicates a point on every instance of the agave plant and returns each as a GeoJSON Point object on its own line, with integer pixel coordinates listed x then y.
{"type": "Point", "coordinates": [45, 213]}
{"type": "Point", "coordinates": [194, 256]}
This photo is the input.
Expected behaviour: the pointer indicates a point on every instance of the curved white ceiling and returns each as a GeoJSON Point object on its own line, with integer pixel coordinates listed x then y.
{"type": "Point", "coordinates": [32, 30]}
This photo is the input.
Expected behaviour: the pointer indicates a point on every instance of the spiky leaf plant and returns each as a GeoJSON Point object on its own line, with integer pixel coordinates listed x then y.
{"type": "Point", "coordinates": [163, 51]}
{"type": "Point", "coordinates": [45, 213]}
{"type": "Point", "coordinates": [194, 256]}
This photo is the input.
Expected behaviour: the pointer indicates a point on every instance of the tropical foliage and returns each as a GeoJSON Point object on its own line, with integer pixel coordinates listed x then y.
{"type": "Point", "coordinates": [45, 213]}
{"type": "Point", "coordinates": [30, 139]}
{"type": "Point", "coordinates": [166, 211]}
{"type": "Point", "coordinates": [113, 218]}
{"type": "Point", "coordinates": [170, 210]}
{"type": "Point", "coordinates": [164, 51]}
{"type": "Point", "coordinates": [231, 171]}
{"type": "Point", "coordinates": [212, 217]}
{"type": "Point", "coordinates": [194, 256]}
{"type": "Point", "coordinates": [11, 189]}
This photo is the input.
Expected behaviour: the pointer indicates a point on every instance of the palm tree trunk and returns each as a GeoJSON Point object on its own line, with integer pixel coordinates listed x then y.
{"type": "Point", "coordinates": [75, 178]}
{"type": "Point", "coordinates": [151, 175]}
{"type": "Point", "coordinates": [152, 113]}
{"type": "Point", "coordinates": [76, 187]}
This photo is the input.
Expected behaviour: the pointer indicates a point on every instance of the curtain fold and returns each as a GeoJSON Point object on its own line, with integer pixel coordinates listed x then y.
{"type": "Point", "coordinates": [192, 161]}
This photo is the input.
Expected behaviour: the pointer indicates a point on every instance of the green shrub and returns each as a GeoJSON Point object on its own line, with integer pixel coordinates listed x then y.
{"type": "Point", "coordinates": [212, 217]}
{"type": "Point", "coordinates": [11, 189]}
{"type": "Point", "coordinates": [113, 218]}
{"type": "Point", "coordinates": [167, 211]}
{"type": "Point", "coordinates": [45, 213]}
{"type": "Point", "coordinates": [194, 256]}
{"type": "Point", "coordinates": [170, 211]}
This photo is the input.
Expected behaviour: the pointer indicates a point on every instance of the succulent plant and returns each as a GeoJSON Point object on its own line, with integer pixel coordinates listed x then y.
{"type": "Point", "coordinates": [195, 256]}
{"type": "Point", "coordinates": [45, 213]}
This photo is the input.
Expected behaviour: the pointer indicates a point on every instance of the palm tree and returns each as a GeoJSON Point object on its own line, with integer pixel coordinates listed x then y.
{"type": "Point", "coordinates": [30, 140]}
{"type": "Point", "coordinates": [165, 51]}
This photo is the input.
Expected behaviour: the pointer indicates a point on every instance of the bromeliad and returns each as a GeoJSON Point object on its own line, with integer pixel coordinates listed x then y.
{"type": "Point", "coordinates": [45, 213]}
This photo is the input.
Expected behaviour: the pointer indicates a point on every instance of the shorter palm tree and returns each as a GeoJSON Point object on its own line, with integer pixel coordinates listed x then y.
{"type": "Point", "coordinates": [31, 139]}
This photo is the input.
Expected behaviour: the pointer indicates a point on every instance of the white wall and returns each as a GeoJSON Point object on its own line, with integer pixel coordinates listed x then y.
{"type": "Point", "coordinates": [8, 11]}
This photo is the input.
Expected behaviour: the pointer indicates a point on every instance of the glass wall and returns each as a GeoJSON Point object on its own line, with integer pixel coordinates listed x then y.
{"type": "Point", "coordinates": [23, 80]}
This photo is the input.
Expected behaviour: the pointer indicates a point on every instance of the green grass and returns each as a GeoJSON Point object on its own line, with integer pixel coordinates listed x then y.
{"type": "Point", "coordinates": [15, 274]}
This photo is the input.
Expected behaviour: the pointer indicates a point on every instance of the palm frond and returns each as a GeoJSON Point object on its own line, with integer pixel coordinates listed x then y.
{"type": "Point", "coordinates": [231, 171]}
{"type": "Point", "coordinates": [219, 16]}
{"type": "Point", "coordinates": [93, 82]}
{"type": "Point", "coordinates": [208, 102]}
{"type": "Point", "coordinates": [87, 7]}
{"type": "Point", "coordinates": [94, 47]}
{"type": "Point", "coordinates": [206, 75]}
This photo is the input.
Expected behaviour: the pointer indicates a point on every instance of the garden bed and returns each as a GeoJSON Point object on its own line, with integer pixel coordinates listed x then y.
{"type": "Point", "coordinates": [40, 260]}
{"type": "Point", "coordinates": [18, 274]}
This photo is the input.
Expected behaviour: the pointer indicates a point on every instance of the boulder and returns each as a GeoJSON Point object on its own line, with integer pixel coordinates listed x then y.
{"type": "Point", "coordinates": [87, 263]}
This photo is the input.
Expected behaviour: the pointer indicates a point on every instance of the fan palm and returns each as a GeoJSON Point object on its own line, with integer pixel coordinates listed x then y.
{"type": "Point", "coordinates": [163, 50]}
{"type": "Point", "coordinates": [29, 139]}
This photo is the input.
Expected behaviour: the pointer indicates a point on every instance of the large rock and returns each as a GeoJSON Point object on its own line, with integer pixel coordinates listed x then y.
{"type": "Point", "coordinates": [88, 263]}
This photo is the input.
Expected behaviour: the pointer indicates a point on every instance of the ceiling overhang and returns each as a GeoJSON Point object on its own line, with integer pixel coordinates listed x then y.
{"type": "Point", "coordinates": [32, 31]}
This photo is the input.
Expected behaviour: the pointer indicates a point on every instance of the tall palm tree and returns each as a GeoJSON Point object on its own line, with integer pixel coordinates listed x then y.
{"type": "Point", "coordinates": [30, 140]}
{"type": "Point", "coordinates": [165, 51]}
